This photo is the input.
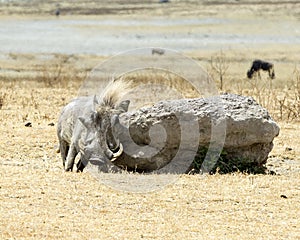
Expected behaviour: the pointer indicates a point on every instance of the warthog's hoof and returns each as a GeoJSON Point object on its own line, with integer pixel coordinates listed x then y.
{"type": "Point", "coordinates": [80, 166]}
{"type": "Point", "coordinates": [68, 169]}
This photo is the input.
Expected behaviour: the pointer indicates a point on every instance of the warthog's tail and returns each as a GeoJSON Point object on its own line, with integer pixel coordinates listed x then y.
{"type": "Point", "coordinates": [114, 92]}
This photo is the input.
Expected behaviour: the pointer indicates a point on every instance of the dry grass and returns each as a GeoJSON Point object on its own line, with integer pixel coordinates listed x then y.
{"type": "Point", "coordinates": [150, 86]}
{"type": "Point", "coordinates": [236, 206]}
{"type": "Point", "coordinates": [281, 96]}
{"type": "Point", "coordinates": [40, 201]}
{"type": "Point", "coordinates": [60, 73]}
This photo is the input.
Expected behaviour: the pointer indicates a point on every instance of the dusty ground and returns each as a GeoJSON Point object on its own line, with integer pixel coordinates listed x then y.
{"type": "Point", "coordinates": [40, 201]}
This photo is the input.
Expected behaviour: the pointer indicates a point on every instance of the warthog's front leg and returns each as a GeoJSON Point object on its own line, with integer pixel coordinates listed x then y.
{"type": "Point", "coordinates": [63, 149]}
{"type": "Point", "coordinates": [71, 158]}
{"type": "Point", "coordinates": [80, 166]}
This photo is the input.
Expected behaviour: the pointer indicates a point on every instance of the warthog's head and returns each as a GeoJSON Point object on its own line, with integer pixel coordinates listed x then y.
{"type": "Point", "coordinates": [101, 142]}
{"type": "Point", "coordinates": [105, 119]}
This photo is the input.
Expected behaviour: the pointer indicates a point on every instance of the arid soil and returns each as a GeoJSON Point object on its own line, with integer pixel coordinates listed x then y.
{"type": "Point", "coordinates": [40, 201]}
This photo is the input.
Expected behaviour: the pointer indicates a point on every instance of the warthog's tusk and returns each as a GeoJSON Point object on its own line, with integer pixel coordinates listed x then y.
{"type": "Point", "coordinates": [118, 153]}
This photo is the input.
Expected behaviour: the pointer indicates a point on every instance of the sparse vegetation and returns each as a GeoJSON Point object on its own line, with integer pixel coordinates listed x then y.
{"type": "Point", "coordinates": [283, 104]}
{"type": "Point", "coordinates": [280, 96]}
{"type": "Point", "coordinates": [288, 100]}
{"type": "Point", "coordinates": [40, 201]}
{"type": "Point", "coordinates": [60, 73]}
{"type": "Point", "coordinates": [220, 65]}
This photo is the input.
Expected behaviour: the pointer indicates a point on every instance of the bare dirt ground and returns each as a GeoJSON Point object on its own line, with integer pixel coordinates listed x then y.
{"type": "Point", "coordinates": [40, 201]}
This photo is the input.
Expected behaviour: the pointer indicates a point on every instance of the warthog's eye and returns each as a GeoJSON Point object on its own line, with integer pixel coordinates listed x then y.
{"type": "Point", "coordinates": [105, 123]}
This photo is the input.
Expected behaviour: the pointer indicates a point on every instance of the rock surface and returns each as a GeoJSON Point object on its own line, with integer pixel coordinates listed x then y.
{"type": "Point", "coordinates": [168, 135]}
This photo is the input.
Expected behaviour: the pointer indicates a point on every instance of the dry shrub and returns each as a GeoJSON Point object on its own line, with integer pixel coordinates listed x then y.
{"type": "Point", "coordinates": [289, 100]}
{"type": "Point", "coordinates": [283, 104]}
{"type": "Point", "coordinates": [219, 65]}
{"type": "Point", "coordinates": [262, 90]}
{"type": "Point", "coordinates": [61, 73]}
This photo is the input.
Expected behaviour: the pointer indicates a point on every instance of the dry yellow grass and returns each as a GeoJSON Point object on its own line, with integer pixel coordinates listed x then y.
{"type": "Point", "coordinates": [40, 201]}
{"type": "Point", "coordinates": [44, 202]}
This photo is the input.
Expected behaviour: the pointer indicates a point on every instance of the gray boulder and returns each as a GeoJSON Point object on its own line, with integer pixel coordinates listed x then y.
{"type": "Point", "coordinates": [168, 136]}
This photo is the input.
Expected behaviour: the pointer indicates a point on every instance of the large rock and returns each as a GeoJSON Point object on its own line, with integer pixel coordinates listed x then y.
{"type": "Point", "coordinates": [170, 134]}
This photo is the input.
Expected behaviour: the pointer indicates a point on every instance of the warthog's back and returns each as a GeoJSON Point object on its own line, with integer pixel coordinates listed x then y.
{"type": "Point", "coordinates": [69, 116]}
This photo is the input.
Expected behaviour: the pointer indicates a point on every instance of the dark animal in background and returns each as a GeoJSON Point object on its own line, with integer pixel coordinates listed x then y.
{"type": "Point", "coordinates": [158, 51]}
{"type": "Point", "coordinates": [258, 65]}
{"type": "Point", "coordinates": [57, 12]}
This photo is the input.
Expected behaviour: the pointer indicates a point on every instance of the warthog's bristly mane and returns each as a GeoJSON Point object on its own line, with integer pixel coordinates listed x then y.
{"type": "Point", "coordinates": [114, 92]}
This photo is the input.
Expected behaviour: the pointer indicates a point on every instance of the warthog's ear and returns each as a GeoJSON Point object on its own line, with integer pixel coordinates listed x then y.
{"type": "Point", "coordinates": [83, 121]}
{"type": "Point", "coordinates": [123, 106]}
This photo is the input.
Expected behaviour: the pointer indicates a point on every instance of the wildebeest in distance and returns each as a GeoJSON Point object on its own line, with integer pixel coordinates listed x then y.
{"type": "Point", "coordinates": [258, 65]}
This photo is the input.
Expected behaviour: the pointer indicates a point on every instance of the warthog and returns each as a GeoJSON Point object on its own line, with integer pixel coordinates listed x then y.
{"type": "Point", "coordinates": [258, 65]}
{"type": "Point", "coordinates": [85, 126]}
